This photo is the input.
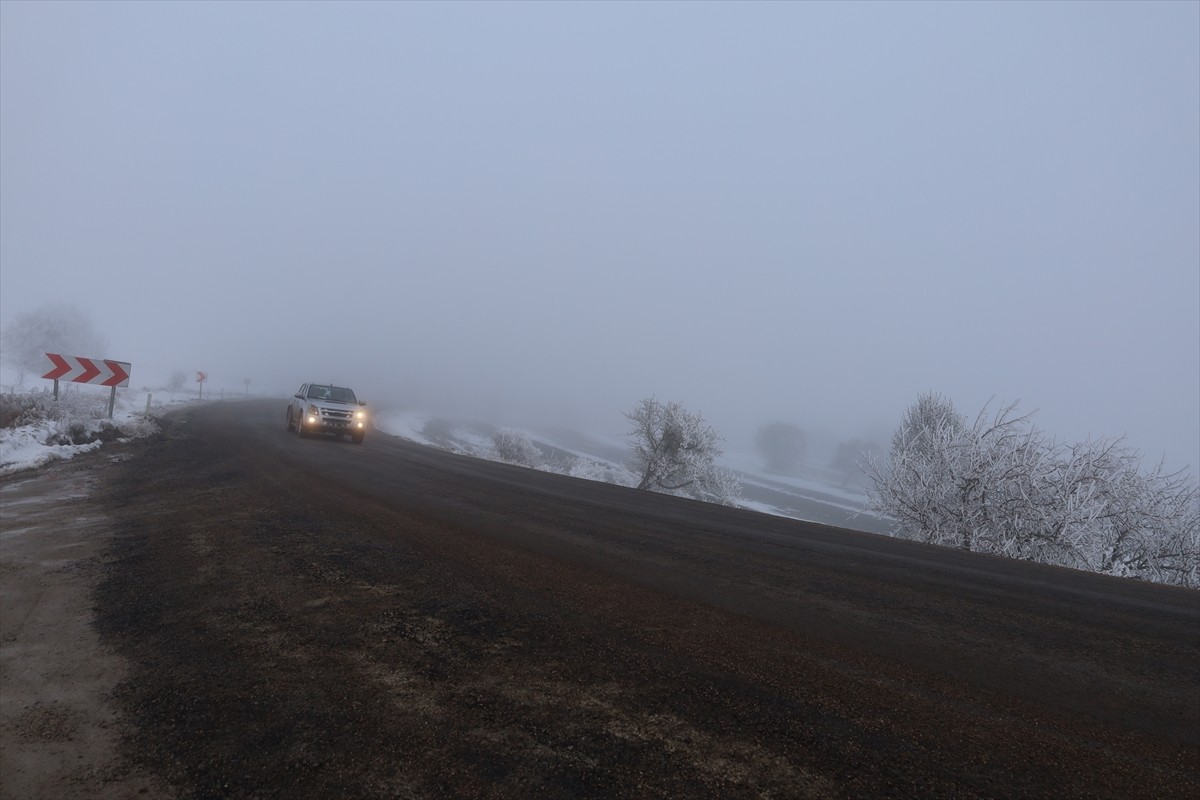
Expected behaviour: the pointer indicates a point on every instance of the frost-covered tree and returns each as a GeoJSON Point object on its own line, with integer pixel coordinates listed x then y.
{"type": "Point", "coordinates": [1002, 486]}
{"type": "Point", "coordinates": [1105, 513]}
{"type": "Point", "coordinates": [516, 447]}
{"type": "Point", "coordinates": [931, 416]}
{"type": "Point", "coordinates": [176, 381]}
{"type": "Point", "coordinates": [782, 446]}
{"type": "Point", "coordinates": [55, 328]}
{"type": "Point", "coordinates": [675, 451]}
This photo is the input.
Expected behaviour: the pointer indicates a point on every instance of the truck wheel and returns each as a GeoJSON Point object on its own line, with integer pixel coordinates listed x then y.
{"type": "Point", "coordinates": [291, 426]}
{"type": "Point", "coordinates": [357, 438]}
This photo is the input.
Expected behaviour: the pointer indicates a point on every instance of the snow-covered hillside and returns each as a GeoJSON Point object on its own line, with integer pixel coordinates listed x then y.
{"type": "Point", "coordinates": [586, 456]}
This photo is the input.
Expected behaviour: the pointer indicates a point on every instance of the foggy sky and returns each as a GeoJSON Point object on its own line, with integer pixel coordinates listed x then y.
{"type": "Point", "coordinates": [798, 212]}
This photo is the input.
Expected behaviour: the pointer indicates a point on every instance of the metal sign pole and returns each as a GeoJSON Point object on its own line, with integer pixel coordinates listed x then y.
{"type": "Point", "coordinates": [112, 401]}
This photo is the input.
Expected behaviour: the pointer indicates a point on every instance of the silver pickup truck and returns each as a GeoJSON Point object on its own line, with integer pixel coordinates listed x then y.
{"type": "Point", "coordinates": [322, 408]}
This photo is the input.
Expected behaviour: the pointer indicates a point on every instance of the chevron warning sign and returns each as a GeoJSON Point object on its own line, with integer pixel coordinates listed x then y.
{"type": "Point", "coordinates": [77, 369]}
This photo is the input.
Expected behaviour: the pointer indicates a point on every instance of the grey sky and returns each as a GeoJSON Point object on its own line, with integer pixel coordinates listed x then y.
{"type": "Point", "coordinates": [797, 211]}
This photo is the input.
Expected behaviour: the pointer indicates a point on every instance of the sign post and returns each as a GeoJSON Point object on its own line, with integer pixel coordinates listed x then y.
{"type": "Point", "coordinates": [97, 371]}
{"type": "Point", "coordinates": [201, 377]}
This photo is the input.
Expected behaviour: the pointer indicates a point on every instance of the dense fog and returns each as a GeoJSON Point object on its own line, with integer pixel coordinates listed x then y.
{"type": "Point", "coordinates": [541, 213]}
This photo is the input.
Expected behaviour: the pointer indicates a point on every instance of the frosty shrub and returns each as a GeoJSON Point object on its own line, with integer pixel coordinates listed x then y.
{"type": "Point", "coordinates": [16, 408]}
{"type": "Point", "coordinates": [598, 471]}
{"type": "Point", "coordinates": [1002, 486]}
{"type": "Point", "coordinates": [75, 418]}
{"type": "Point", "coordinates": [675, 451]}
{"type": "Point", "coordinates": [515, 447]}
{"type": "Point", "coordinates": [72, 407]}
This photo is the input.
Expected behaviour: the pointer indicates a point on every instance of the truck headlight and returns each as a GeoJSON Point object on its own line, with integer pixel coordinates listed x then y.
{"type": "Point", "coordinates": [312, 409]}
{"type": "Point", "coordinates": [360, 415]}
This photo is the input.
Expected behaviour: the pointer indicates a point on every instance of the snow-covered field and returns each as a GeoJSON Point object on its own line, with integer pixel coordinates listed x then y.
{"type": "Point", "coordinates": [36, 429]}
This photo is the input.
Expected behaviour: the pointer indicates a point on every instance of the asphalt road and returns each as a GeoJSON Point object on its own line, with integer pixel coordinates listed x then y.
{"type": "Point", "coordinates": [314, 618]}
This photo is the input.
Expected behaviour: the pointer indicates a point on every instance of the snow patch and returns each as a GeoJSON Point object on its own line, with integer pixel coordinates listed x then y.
{"type": "Point", "coordinates": [26, 447]}
{"type": "Point", "coordinates": [404, 424]}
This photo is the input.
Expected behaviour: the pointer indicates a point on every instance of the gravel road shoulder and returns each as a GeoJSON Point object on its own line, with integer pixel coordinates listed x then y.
{"type": "Point", "coordinates": [59, 729]}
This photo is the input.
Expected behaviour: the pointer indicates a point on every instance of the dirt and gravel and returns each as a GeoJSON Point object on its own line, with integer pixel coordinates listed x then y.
{"type": "Point", "coordinates": [60, 731]}
{"type": "Point", "coordinates": [287, 618]}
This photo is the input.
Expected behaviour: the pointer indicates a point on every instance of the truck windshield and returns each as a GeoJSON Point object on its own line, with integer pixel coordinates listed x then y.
{"type": "Point", "coordinates": [338, 394]}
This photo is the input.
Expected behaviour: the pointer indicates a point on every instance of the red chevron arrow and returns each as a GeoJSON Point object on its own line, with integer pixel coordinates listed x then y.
{"type": "Point", "coordinates": [90, 370]}
{"type": "Point", "coordinates": [119, 375]}
{"type": "Point", "coordinates": [78, 369]}
{"type": "Point", "coordinates": [61, 367]}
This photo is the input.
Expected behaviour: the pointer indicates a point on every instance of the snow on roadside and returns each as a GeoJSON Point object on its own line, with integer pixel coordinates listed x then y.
{"type": "Point", "coordinates": [26, 447]}
{"type": "Point", "coordinates": [762, 508]}
{"type": "Point", "coordinates": [404, 424]}
{"type": "Point", "coordinates": [597, 464]}
{"type": "Point", "coordinates": [47, 430]}
{"type": "Point", "coordinates": [828, 495]}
